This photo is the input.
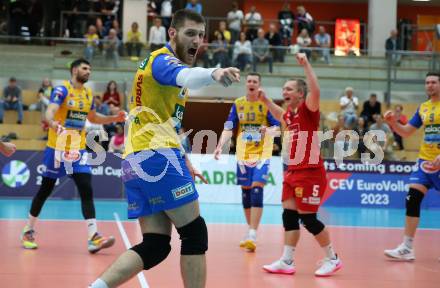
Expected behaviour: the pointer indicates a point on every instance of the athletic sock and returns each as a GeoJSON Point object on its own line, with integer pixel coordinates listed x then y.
{"type": "Point", "coordinates": [288, 252]}
{"type": "Point", "coordinates": [31, 223]}
{"type": "Point", "coordinates": [92, 227]}
{"type": "Point", "coordinates": [253, 234]}
{"type": "Point", "coordinates": [408, 241]}
{"type": "Point", "coordinates": [98, 284]}
{"type": "Point", "coordinates": [329, 252]}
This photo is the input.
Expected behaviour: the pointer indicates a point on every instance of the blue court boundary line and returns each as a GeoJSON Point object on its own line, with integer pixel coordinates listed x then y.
{"type": "Point", "coordinates": [67, 210]}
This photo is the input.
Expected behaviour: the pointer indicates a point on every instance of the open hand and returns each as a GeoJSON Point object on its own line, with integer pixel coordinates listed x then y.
{"type": "Point", "coordinates": [226, 76]}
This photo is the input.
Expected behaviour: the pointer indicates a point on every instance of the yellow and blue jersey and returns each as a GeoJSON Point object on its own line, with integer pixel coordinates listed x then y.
{"type": "Point", "coordinates": [428, 115]}
{"type": "Point", "coordinates": [157, 103]}
{"type": "Point", "coordinates": [74, 107]}
{"type": "Point", "coordinates": [249, 117]}
{"type": "Point", "coordinates": [154, 171]}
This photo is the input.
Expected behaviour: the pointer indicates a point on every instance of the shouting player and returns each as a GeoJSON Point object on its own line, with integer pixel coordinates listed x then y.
{"type": "Point", "coordinates": [158, 177]}
{"type": "Point", "coordinates": [305, 180]}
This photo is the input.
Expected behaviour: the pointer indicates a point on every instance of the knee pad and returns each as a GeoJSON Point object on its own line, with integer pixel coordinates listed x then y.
{"type": "Point", "coordinates": [257, 197]}
{"type": "Point", "coordinates": [194, 237]}
{"type": "Point", "coordinates": [153, 249]}
{"type": "Point", "coordinates": [413, 202]}
{"type": "Point", "coordinates": [246, 198]}
{"type": "Point", "coordinates": [311, 223]}
{"type": "Point", "coordinates": [290, 220]}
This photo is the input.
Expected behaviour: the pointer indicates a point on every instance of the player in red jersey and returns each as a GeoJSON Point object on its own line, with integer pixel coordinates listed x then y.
{"type": "Point", "coordinates": [305, 179]}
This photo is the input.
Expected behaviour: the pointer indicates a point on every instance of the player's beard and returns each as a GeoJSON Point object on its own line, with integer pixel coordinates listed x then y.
{"type": "Point", "coordinates": [182, 53]}
{"type": "Point", "coordinates": [82, 79]}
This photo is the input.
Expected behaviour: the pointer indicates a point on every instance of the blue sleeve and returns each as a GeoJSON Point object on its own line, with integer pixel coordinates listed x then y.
{"type": "Point", "coordinates": [58, 95]}
{"type": "Point", "coordinates": [416, 120]}
{"type": "Point", "coordinates": [93, 105]}
{"type": "Point", "coordinates": [232, 121]}
{"type": "Point", "coordinates": [165, 69]}
{"type": "Point", "coordinates": [272, 121]}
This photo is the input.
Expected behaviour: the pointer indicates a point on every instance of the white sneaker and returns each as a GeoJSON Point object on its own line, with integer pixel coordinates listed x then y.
{"type": "Point", "coordinates": [401, 253]}
{"type": "Point", "coordinates": [280, 267]}
{"type": "Point", "coordinates": [328, 267]}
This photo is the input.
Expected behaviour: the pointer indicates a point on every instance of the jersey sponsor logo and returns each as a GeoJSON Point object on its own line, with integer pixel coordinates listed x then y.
{"type": "Point", "coordinates": [77, 115]}
{"type": "Point", "coordinates": [428, 167]}
{"type": "Point", "coordinates": [133, 206]}
{"type": "Point", "coordinates": [432, 129]}
{"type": "Point", "coordinates": [81, 105]}
{"type": "Point", "coordinates": [314, 200]}
{"type": "Point", "coordinates": [299, 192]}
{"type": "Point", "coordinates": [139, 81]}
{"type": "Point", "coordinates": [182, 93]}
{"type": "Point", "coordinates": [71, 156]}
{"type": "Point", "coordinates": [178, 112]}
{"type": "Point", "coordinates": [15, 174]}
{"type": "Point", "coordinates": [71, 103]}
{"type": "Point", "coordinates": [144, 63]}
{"type": "Point", "coordinates": [183, 191]}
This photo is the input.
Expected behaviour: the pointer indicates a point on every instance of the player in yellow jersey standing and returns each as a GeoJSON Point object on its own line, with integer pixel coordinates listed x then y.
{"type": "Point", "coordinates": [70, 105]}
{"type": "Point", "coordinates": [158, 177]}
{"type": "Point", "coordinates": [254, 149]}
{"type": "Point", "coordinates": [428, 174]}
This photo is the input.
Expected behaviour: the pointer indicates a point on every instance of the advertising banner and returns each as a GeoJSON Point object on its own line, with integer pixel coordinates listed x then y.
{"type": "Point", "coordinates": [21, 177]}
{"type": "Point", "coordinates": [347, 37]}
{"type": "Point", "coordinates": [351, 184]}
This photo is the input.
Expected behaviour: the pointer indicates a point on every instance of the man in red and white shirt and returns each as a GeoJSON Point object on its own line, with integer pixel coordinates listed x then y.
{"type": "Point", "coordinates": [305, 179]}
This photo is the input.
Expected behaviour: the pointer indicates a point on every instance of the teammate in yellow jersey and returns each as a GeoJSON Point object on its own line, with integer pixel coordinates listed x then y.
{"type": "Point", "coordinates": [254, 149]}
{"type": "Point", "coordinates": [428, 174]}
{"type": "Point", "coordinates": [70, 105]}
{"type": "Point", "coordinates": [7, 148]}
{"type": "Point", "coordinates": [158, 178]}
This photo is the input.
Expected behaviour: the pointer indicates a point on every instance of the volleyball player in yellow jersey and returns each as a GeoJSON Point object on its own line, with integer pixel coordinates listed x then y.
{"type": "Point", "coordinates": [157, 176]}
{"type": "Point", "coordinates": [70, 105]}
{"type": "Point", "coordinates": [254, 149]}
{"type": "Point", "coordinates": [428, 174]}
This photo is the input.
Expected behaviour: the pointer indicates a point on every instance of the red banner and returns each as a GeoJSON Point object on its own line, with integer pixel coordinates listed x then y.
{"type": "Point", "coordinates": [347, 37]}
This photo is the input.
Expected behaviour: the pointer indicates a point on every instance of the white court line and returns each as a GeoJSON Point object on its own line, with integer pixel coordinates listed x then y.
{"type": "Point", "coordinates": [140, 275]}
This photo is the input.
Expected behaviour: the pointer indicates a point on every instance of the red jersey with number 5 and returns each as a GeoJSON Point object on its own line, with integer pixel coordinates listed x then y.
{"type": "Point", "coordinates": [301, 142]}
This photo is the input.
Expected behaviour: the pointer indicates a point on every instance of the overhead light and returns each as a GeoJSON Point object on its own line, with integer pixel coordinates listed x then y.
{"type": "Point", "coordinates": [421, 0]}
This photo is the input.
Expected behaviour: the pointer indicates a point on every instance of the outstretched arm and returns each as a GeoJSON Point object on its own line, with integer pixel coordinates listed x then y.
{"type": "Point", "coordinates": [98, 118]}
{"type": "Point", "coordinates": [403, 130]}
{"type": "Point", "coordinates": [313, 96]}
{"type": "Point", "coordinates": [170, 71]}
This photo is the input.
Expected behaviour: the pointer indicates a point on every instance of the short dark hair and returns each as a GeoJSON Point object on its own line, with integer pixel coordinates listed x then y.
{"type": "Point", "coordinates": [432, 73]}
{"type": "Point", "coordinates": [184, 14]}
{"type": "Point", "coordinates": [373, 95]}
{"type": "Point", "coordinates": [77, 63]}
{"type": "Point", "coordinates": [301, 85]}
{"type": "Point", "coordinates": [254, 74]}
{"type": "Point", "coordinates": [12, 79]}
